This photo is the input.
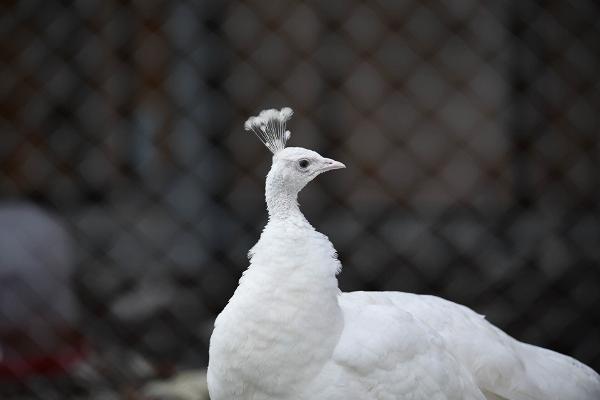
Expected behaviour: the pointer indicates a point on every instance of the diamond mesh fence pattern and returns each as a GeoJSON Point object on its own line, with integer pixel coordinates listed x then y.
{"type": "Point", "coordinates": [131, 194]}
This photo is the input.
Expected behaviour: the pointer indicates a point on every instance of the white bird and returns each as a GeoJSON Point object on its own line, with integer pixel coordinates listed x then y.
{"type": "Point", "coordinates": [289, 333]}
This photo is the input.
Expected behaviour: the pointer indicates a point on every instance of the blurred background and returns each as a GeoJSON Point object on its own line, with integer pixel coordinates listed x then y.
{"type": "Point", "coordinates": [130, 193]}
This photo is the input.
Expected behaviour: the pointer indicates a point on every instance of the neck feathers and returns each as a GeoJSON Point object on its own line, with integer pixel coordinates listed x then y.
{"type": "Point", "coordinates": [282, 202]}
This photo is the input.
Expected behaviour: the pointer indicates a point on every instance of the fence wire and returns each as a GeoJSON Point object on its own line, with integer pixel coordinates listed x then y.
{"type": "Point", "coordinates": [131, 194]}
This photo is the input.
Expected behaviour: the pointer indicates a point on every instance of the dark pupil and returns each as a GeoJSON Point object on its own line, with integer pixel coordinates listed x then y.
{"type": "Point", "coordinates": [303, 163]}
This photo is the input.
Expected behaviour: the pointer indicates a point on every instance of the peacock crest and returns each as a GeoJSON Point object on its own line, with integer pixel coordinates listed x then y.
{"type": "Point", "coordinates": [269, 127]}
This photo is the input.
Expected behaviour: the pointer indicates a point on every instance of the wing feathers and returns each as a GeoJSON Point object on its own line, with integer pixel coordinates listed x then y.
{"type": "Point", "coordinates": [502, 366]}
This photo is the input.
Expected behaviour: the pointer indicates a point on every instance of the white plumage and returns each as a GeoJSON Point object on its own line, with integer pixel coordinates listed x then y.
{"type": "Point", "coordinates": [288, 332]}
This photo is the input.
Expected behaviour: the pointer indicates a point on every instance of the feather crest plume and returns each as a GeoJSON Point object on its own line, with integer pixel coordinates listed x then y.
{"type": "Point", "coordinates": [269, 128]}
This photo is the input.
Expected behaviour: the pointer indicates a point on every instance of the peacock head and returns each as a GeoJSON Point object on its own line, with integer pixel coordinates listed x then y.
{"type": "Point", "coordinates": [293, 167]}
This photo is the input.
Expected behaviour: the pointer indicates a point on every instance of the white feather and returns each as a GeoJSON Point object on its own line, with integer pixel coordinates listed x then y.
{"type": "Point", "coordinates": [269, 128]}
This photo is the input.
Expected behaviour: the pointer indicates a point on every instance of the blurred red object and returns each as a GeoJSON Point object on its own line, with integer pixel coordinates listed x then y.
{"type": "Point", "coordinates": [24, 363]}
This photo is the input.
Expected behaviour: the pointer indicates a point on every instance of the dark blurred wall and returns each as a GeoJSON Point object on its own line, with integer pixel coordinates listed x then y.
{"type": "Point", "coordinates": [470, 130]}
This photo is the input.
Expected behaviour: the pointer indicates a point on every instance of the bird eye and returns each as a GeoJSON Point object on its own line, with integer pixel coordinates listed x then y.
{"type": "Point", "coordinates": [303, 163]}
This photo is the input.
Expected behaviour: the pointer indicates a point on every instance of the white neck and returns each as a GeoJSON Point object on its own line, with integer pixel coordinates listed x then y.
{"type": "Point", "coordinates": [282, 201]}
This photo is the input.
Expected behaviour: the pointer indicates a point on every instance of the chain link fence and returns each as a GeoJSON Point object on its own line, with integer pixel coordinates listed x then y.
{"type": "Point", "coordinates": [131, 194]}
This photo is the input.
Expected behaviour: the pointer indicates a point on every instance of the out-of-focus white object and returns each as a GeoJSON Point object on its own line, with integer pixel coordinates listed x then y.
{"type": "Point", "coordinates": [37, 303]}
{"type": "Point", "coordinates": [185, 385]}
{"type": "Point", "coordinates": [289, 333]}
{"type": "Point", "coordinates": [35, 268]}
